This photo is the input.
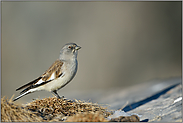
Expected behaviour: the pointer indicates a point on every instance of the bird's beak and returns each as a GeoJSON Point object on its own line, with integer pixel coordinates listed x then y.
{"type": "Point", "coordinates": [77, 47]}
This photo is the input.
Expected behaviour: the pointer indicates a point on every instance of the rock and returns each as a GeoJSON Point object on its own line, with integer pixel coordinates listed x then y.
{"type": "Point", "coordinates": [158, 100]}
{"type": "Point", "coordinates": [165, 108]}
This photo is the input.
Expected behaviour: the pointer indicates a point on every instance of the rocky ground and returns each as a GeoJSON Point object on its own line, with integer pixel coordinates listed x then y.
{"type": "Point", "coordinates": [159, 100]}
{"type": "Point", "coordinates": [164, 106]}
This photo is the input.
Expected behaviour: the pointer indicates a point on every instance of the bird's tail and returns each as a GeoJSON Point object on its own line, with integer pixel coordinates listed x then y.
{"type": "Point", "coordinates": [29, 91]}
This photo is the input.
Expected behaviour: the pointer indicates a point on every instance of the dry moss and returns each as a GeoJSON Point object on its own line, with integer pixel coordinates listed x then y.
{"type": "Point", "coordinates": [53, 109]}
{"type": "Point", "coordinates": [133, 118]}
{"type": "Point", "coordinates": [87, 117]}
{"type": "Point", "coordinates": [11, 112]}
{"type": "Point", "coordinates": [49, 110]}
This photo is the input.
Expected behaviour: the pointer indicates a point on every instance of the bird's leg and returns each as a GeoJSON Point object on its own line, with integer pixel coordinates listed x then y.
{"type": "Point", "coordinates": [56, 94]}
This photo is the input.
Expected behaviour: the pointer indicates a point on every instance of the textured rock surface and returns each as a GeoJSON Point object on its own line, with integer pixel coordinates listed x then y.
{"type": "Point", "coordinates": [154, 101]}
{"type": "Point", "coordinates": [167, 107]}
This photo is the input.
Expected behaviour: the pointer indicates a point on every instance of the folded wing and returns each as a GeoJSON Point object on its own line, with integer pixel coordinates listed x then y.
{"type": "Point", "coordinates": [52, 73]}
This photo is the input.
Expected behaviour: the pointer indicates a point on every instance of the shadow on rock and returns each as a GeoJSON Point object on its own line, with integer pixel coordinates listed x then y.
{"type": "Point", "coordinates": [148, 99]}
{"type": "Point", "coordinates": [145, 120]}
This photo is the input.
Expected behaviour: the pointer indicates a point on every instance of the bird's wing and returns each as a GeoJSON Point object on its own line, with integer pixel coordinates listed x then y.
{"type": "Point", "coordinates": [52, 73]}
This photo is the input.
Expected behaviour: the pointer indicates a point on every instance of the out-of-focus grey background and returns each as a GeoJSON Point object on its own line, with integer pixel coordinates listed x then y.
{"type": "Point", "coordinates": [123, 43]}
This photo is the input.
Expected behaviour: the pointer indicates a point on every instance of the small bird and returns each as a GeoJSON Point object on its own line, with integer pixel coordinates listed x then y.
{"type": "Point", "coordinates": [60, 73]}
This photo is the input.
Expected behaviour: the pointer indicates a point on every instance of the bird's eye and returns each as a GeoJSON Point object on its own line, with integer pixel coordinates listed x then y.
{"type": "Point", "coordinates": [70, 47]}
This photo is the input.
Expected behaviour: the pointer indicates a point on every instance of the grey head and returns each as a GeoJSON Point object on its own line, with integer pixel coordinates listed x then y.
{"type": "Point", "coordinates": [69, 51]}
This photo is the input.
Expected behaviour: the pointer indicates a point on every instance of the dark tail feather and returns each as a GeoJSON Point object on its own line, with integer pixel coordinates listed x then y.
{"type": "Point", "coordinates": [21, 95]}
{"type": "Point", "coordinates": [30, 83]}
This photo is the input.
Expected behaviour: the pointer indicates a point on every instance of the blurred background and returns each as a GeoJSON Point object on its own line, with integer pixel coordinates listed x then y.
{"type": "Point", "coordinates": [123, 44]}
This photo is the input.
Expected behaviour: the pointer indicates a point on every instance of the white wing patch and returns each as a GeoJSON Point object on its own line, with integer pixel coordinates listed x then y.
{"type": "Point", "coordinates": [39, 82]}
{"type": "Point", "coordinates": [52, 76]}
